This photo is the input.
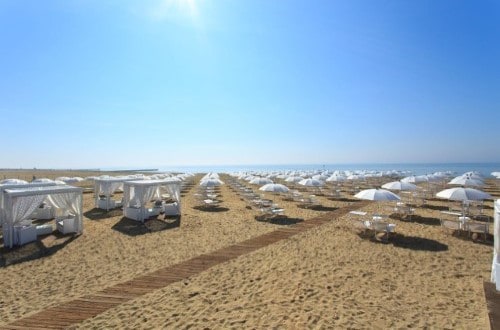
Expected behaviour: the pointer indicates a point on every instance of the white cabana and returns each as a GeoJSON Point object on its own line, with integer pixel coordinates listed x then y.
{"type": "Point", "coordinates": [495, 269]}
{"type": "Point", "coordinates": [137, 195]}
{"type": "Point", "coordinates": [21, 202]}
{"type": "Point", "coordinates": [104, 188]}
{"type": "Point", "coordinates": [3, 187]}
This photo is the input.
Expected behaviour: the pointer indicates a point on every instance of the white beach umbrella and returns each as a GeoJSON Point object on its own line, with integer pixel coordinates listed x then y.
{"type": "Point", "coordinates": [398, 185]}
{"type": "Point", "coordinates": [13, 181]}
{"type": "Point", "coordinates": [42, 180]}
{"type": "Point", "coordinates": [274, 187]}
{"type": "Point", "coordinates": [336, 178]}
{"type": "Point", "coordinates": [416, 179]}
{"type": "Point", "coordinates": [320, 177]}
{"type": "Point", "coordinates": [260, 181]}
{"type": "Point", "coordinates": [474, 175]}
{"type": "Point", "coordinates": [311, 183]}
{"type": "Point", "coordinates": [377, 195]}
{"type": "Point", "coordinates": [465, 180]}
{"type": "Point", "coordinates": [175, 179]}
{"type": "Point", "coordinates": [69, 180]}
{"type": "Point", "coordinates": [463, 194]}
{"type": "Point", "coordinates": [294, 179]}
{"type": "Point", "coordinates": [354, 177]}
{"type": "Point", "coordinates": [211, 182]}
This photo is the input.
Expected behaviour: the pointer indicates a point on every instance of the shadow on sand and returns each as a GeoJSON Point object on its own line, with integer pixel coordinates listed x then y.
{"type": "Point", "coordinates": [485, 239]}
{"type": "Point", "coordinates": [343, 199]}
{"type": "Point", "coordinates": [406, 242]}
{"type": "Point", "coordinates": [34, 250]}
{"type": "Point", "coordinates": [417, 219]}
{"type": "Point", "coordinates": [435, 207]}
{"type": "Point", "coordinates": [211, 209]}
{"type": "Point", "coordinates": [317, 207]}
{"type": "Point", "coordinates": [135, 228]}
{"type": "Point", "coordinates": [278, 219]}
{"type": "Point", "coordinates": [417, 243]}
{"type": "Point", "coordinates": [99, 214]}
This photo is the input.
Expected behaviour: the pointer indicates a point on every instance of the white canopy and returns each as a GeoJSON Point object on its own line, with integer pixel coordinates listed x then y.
{"type": "Point", "coordinates": [260, 181]}
{"type": "Point", "coordinates": [311, 182]}
{"type": "Point", "coordinates": [274, 187]}
{"type": "Point", "coordinates": [3, 187]}
{"type": "Point", "coordinates": [465, 180]}
{"type": "Point", "coordinates": [399, 185]}
{"type": "Point", "coordinates": [495, 270]}
{"type": "Point", "coordinates": [137, 194]}
{"type": "Point", "coordinates": [211, 182]}
{"type": "Point", "coordinates": [13, 181]}
{"type": "Point", "coordinates": [377, 195]}
{"type": "Point", "coordinates": [107, 186]}
{"type": "Point", "coordinates": [20, 203]}
{"type": "Point", "coordinates": [463, 194]}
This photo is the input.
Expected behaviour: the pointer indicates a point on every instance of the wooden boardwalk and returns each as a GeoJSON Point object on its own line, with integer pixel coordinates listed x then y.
{"type": "Point", "coordinates": [493, 303]}
{"type": "Point", "coordinates": [78, 310]}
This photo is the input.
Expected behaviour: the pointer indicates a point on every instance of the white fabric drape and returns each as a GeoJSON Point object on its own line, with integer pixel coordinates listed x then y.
{"type": "Point", "coordinates": [147, 194]}
{"type": "Point", "coordinates": [174, 190]}
{"type": "Point", "coordinates": [71, 202]}
{"type": "Point", "coordinates": [20, 208]}
{"type": "Point", "coordinates": [133, 197]}
{"type": "Point", "coordinates": [106, 188]}
{"type": "Point", "coordinates": [23, 206]}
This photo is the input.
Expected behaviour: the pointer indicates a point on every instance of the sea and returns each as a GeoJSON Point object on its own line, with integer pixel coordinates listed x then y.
{"type": "Point", "coordinates": [484, 169]}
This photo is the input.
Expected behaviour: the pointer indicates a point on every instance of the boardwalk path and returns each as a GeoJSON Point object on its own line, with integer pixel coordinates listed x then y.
{"type": "Point", "coordinates": [85, 307]}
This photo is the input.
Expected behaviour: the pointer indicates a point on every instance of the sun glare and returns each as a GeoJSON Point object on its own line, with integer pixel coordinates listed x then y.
{"type": "Point", "coordinates": [171, 8]}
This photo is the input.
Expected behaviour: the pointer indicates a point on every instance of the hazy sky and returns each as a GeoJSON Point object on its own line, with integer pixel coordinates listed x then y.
{"type": "Point", "coordinates": [92, 83]}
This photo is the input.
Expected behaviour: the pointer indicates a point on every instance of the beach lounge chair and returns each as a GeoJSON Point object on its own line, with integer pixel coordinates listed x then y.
{"type": "Point", "coordinates": [477, 228]}
{"type": "Point", "coordinates": [451, 225]}
{"type": "Point", "coordinates": [375, 227]}
{"type": "Point", "coordinates": [363, 225]}
{"type": "Point", "coordinates": [66, 225]}
{"type": "Point", "coordinates": [272, 210]}
{"type": "Point", "coordinates": [383, 227]}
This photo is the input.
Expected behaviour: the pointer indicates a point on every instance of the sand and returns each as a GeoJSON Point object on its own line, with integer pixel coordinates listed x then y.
{"type": "Point", "coordinates": [328, 277]}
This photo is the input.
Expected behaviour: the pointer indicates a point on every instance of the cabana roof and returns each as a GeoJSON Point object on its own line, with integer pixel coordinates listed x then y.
{"type": "Point", "coordinates": [151, 183]}
{"type": "Point", "coordinates": [115, 179]}
{"type": "Point", "coordinates": [44, 190]}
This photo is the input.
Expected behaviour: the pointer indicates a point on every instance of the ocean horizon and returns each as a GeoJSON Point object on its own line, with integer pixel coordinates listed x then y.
{"type": "Point", "coordinates": [410, 168]}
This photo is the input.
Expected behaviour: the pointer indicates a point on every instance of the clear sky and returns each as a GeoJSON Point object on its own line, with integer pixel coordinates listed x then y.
{"type": "Point", "coordinates": [116, 83]}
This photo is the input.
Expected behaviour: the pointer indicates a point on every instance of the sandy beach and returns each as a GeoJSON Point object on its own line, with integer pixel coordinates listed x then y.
{"type": "Point", "coordinates": [331, 276]}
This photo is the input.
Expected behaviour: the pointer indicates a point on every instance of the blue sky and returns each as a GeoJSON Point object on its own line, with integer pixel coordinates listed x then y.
{"type": "Point", "coordinates": [88, 83]}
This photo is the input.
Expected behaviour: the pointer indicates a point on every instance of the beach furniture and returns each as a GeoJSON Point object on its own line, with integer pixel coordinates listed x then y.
{"type": "Point", "coordinates": [375, 227]}
{"type": "Point", "coordinates": [138, 197]}
{"type": "Point", "coordinates": [271, 211]}
{"type": "Point", "coordinates": [66, 224]}
{"type": "Point", "coordinates": [308, 202]}
{"type": "Point", "coordinates": [20, 203]}
{"type": "Point", "coordinates": [104, 188]}
{"type": "Point", "coordinates": [17, 184]}
{"type": "Point", "coordinates": [403, 210]}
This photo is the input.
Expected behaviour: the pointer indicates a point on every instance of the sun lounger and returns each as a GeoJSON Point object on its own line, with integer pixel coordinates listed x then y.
{"type": "Point", "coordinates": [451, 225]}
{"type": "Point", "coordinates": [66, 225]}
{"type": "Point", "coordinates": [376, 227]}
{"type": "Point", "coordinates": [478, 229]}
